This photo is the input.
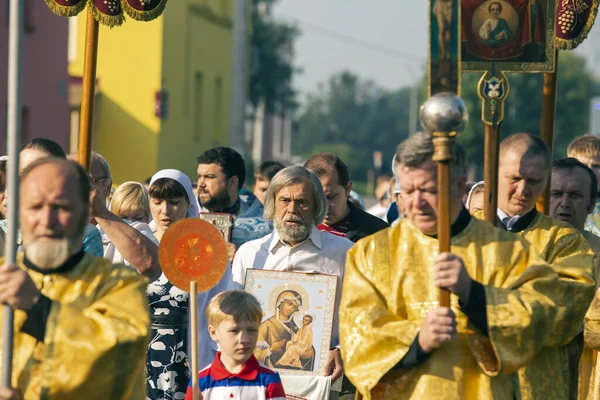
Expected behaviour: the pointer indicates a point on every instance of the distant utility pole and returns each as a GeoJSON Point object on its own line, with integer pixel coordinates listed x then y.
{"type": "Point", "coordinates": [237, 114]}
{"type": "Point", "coordinates": [413, 108]}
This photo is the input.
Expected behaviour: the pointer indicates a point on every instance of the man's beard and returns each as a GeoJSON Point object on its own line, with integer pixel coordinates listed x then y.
{"type": "Point", "coordinates": [293, 233]}
{"type": "Point", "coordinates": [47, 253]}
{"type": "Point", "coordinates": [216, 202]}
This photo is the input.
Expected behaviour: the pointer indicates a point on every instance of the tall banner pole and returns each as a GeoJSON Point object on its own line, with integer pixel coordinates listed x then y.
{"type": "Point", "coordinates": [444, 87]}
{"type": "Point", "coordinates": [15, 36]}
{"type": "Point", "coordinates": [90, 62]}
{"type": "Point", "coordinates": [111, 14]}
{"type": "Point", "coordinates": [493, 89]}
{"type": "Point", "coordinates": [494, 51]}
{"type": "Point", "coordinates": [547, 127]}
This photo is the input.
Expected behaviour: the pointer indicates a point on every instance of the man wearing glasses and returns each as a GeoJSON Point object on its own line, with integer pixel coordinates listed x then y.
{"type": "Point", "coordinates": [134, 247]}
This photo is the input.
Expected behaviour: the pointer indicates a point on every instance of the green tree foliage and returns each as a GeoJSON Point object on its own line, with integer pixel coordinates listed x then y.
{"type": "Point", "coordinates": [272, 69]}
{"type": "Point", "coordinates": [353, 117]}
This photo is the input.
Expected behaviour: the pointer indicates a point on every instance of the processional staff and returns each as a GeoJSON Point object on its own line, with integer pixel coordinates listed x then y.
{"type": "Point", "coordinates": [193, 256]}
{"type": "Point", "coordinates": [446, 116]}
{"type": "Point", "coordinates": [444, 113]}
{"type": "Point", "coordinates": [15, 35]}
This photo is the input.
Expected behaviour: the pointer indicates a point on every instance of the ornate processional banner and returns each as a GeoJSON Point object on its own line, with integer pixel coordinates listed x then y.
{"type": "Point", "coordinates": [110, 12]}
{"type": "Point", "coordinates": [517, 35]}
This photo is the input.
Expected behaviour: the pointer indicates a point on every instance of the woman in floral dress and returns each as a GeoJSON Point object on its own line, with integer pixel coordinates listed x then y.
{"type": "Point", "coordinates": [167, 370]}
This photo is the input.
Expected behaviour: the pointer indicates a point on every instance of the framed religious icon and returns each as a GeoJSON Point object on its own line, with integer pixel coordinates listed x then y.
{"type": "Point", "coordinates": [517, 35]}
{"type": "Point", "coordinates": [222, 221]}
{"type": "Point", "coordinates": [294, 336]}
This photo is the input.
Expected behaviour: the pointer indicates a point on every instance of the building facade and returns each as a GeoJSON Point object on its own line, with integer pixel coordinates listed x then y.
{"type": "Point", "coordinates": [45, 81]}
{"type": "Point", "coordinates": [164, 88]}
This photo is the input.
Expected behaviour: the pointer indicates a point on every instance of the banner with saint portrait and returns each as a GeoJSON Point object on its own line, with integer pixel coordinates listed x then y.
{"type": "Point", "coordinates": [294, 336]}
{"type": "Point", "coordinates": [517, 35]}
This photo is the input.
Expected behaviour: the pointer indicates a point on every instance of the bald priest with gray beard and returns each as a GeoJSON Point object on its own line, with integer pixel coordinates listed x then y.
{"type": "Point", "coordinates": [81, 324]}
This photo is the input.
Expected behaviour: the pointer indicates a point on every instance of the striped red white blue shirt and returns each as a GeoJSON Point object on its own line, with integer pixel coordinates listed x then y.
{"type": "Point", "coordinates": [254, 381]}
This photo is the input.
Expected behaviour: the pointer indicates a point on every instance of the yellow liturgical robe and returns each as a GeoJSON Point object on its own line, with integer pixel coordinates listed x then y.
{"type": "Point", "coordinates": [96, 335]}
{"type": "Point", "coordinates": [589, 377]}
{"type": "Point", "coordinates": [553, 373]}
{"type": "Point", "coordinates": [388, 290]}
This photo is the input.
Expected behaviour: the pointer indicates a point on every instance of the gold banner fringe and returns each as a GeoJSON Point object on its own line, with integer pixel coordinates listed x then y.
{"type": "Point", "coordinates": [108, 20]}
{"type": "Point", "coordinates": [64, 11]}
{"type": "Point", "coordinates": [570, 44]}
{"type": "Point", "coordinates": [144, 15]}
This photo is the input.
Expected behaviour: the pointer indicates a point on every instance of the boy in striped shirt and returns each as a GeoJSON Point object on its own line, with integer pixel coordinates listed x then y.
{"type": "Point", "coordinates": [233, 319]}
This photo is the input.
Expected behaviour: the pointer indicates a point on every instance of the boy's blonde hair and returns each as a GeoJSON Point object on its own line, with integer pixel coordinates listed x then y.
{"type": "Point", "coordinates": [584, 146]}
{"type": "Point", "coordinates": [129, 198]}
{"type": "Point", "coordinates": [233, 303]}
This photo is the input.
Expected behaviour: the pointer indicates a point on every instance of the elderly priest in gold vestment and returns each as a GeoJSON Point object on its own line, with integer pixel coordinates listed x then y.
{"type": "Point", "coordinates": [397, 343]}
{"type": "Point", "coordinates": [81, 323]}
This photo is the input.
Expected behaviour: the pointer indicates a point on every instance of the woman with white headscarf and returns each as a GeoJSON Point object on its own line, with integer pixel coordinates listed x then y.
{"type": "Point", "coordinates": [167, 371]}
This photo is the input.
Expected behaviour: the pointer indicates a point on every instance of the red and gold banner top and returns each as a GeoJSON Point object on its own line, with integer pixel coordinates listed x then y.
{"type": "Point", "coordinates": [110, 12]}
{"type": "Point", "coordinates": [574, 20]}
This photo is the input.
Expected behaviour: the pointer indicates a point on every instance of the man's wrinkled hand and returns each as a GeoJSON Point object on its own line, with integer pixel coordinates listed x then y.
{"type": "Point", "coordinates": [438, 327]}
{"type": "Point", "coordinates": [334, 365]}
{"type": "Point", "coordinates": [16, 288]}
{"type": "Point", "coordinates": [450, 273]}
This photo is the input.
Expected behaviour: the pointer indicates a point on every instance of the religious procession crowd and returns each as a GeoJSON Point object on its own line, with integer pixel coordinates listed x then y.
{"type": "Point", "coordinates": [96, 318]}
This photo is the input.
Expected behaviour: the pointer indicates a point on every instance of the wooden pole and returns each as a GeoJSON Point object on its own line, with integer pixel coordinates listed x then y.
{"type": "Point", "coordinates": [194, 344]}
{"type": "Point", "coordinates": [547, 127]}
{"type": "Point", "coordinates": [14, 115]}
{"type": "Point", "coordinates": [443, 223]}
{"type": "Point", "coordinates": [90, 62]}
{"type": "Point", "coordinates": [490, 172]}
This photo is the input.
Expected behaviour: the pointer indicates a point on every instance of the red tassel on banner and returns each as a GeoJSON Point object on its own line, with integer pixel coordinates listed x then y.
{"type": "Point", "coordinates": [574, 20]}
{"type": "Point", "coordinates": [66, 8]}
{"type": "Point", "coordinates": [144, 10]}
{"type": "Point", "coordinates": [107, 12]}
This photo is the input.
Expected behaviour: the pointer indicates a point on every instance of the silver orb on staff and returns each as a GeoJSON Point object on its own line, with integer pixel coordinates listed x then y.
{"type": "Point", "coordinates": [445, 115]}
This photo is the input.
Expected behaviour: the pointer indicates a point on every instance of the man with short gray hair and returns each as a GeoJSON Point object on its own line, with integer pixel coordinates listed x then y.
{"type": "Point", "coordinates": [296, 204]}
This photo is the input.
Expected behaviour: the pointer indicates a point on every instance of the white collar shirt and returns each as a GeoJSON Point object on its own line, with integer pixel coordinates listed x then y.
{"type": "Point", "coordinates": [322, 253]}
{"type": "Point", "coordinates": [508, 221]}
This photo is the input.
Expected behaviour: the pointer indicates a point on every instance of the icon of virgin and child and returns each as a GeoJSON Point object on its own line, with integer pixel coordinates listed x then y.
{"type": "Point", "coordinates": [281, 342]}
